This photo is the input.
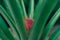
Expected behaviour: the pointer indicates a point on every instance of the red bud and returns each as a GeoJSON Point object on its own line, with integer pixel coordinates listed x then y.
{"type": "Point", "coordinates": [28, 23]}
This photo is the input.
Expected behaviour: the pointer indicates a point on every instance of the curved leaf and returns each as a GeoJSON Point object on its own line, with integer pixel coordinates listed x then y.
{"type": "Point", "coordinates": [55, 34]}
{"type": "Point", "coordinates": [41, 19]}
{"type": "Point", "coordinates": [9, 20]}
{"type": "Point", "coordinates": [5, 29]}
{"type": "Point", "coordinates": [18, 13]}
{"type": "Point", "coordinates": [50, 25]}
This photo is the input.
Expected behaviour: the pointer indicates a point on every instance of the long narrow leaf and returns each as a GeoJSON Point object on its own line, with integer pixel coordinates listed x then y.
{"type": "Point", "coordinates": [23, 8]}
{"type": "Point", "coordinates": [39, 7]}
{"type": "Point", "coordinates": [5, 13]}
{"type": "Point", "coordinates": [50, 25]}
{"type": "Point", "coordinates": [31, 9]}
{"type": "Point", "coordinates": [41, 20]}
{"type": "Point", "coordinates": [8, 19]}
{"type": "Point", "coordinates": [55, 34]}
{"type": "Point", "coordinates": [8, 10]}
{"type": "Point", "coordinates": [16, 8]}
{"type": "Point", "coordinates": [5, 29]}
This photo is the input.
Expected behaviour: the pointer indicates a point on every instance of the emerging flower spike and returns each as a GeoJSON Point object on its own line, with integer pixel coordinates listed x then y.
{"type": "Point", "coordinates": [28, 23]}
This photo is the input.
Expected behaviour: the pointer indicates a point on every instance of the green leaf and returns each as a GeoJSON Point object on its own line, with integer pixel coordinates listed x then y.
{"type": "Point", "coordinates": [8, 10]}
{"type": "Point", "coordinates": [18, 13]}
{"type": "Point", "coordinates": [9, 20]}
{"type": "Point", "coordinates": [50, 24]}
{"type": "Point", "coordinates": [41, 19]}
{"type": "Point", "coordinates": [3, 36]}
{"type": "Point", "coordinates": [39, 7]}
{"type": "Point", "coordinates": [23, 8]}
{"type": "Point", "coordinates": [4, 13]}
{"type": "Point", "coordinates": [26, 2]}
{"type": "Point", "coordinates": [55, 34]}
{"type": "Point", "coordinates": [31, 9]}
{"type": "Point", "coordinates": [5, 29]}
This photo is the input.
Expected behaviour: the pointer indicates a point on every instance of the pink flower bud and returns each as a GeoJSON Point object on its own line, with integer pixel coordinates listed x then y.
{"type": "Point", "coordinates": [28, 23]}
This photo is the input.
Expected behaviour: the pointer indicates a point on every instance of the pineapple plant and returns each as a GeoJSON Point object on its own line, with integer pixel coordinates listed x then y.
{"type": "Point", "coordinates": [27, 19]}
